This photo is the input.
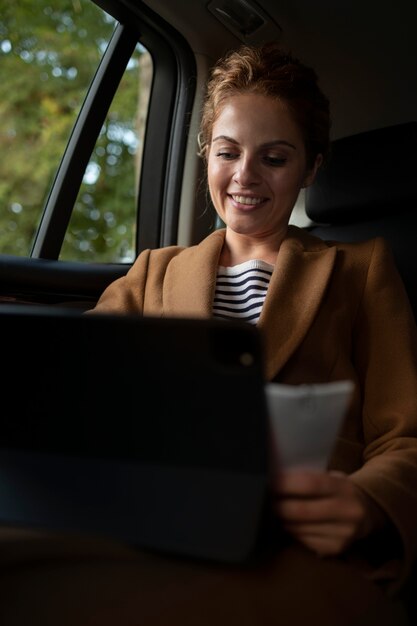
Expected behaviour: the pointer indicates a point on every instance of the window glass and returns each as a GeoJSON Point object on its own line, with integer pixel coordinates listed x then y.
{"type": "Point", "coordinates": [103, 223]}
{"type": "Point", "coordinates": [49, 52]}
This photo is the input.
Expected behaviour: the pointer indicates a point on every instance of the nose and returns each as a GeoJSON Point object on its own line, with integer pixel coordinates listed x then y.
{"type": "Point", "coordinates": [246, 173]}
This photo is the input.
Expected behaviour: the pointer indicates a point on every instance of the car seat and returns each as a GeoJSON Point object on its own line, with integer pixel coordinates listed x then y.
{"type": "Point", "coordinates": [368, 188]}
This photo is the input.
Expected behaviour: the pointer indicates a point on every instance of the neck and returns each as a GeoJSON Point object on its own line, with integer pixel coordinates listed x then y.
{"type": "Point", "coordinates": [240, 248]}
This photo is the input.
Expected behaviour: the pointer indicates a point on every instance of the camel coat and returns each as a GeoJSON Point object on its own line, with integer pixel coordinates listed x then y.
{"type": "Point", "coordinates": [333, 311]}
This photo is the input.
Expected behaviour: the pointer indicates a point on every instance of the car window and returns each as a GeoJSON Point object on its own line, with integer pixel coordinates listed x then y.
{"type": "Point", "coordinates": [49, 53]}
{"type": "Point", "coordinates": [103, 223]}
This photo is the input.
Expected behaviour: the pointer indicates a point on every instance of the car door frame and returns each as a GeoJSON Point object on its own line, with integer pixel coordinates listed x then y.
{"type": "Point", "coordinates": [42, 277]}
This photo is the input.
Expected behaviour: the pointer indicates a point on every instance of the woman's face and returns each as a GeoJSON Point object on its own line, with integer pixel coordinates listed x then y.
{"type": "Point", "coordinates": [256, 165]}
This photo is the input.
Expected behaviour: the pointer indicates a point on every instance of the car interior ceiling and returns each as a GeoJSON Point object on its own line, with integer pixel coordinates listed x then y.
{"type": "Point", "coordinates": [365, 54]}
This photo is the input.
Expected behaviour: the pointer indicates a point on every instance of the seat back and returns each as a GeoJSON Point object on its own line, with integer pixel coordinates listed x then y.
{"type": "Point", "coordinates": [368, 188]}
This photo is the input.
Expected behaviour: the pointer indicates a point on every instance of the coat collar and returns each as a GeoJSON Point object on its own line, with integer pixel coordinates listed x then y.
{"type": "Point", "coordinates": [302, 271]}
{"type": "Point", "coordinates": [190, 280]}
{"type": "Point", "coordinates": [298, 284]}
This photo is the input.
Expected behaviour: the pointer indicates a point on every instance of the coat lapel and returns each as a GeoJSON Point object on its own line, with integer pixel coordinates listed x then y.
{"type": "Point", "coordinates": [190, 280]}
{"type": "Point", "coordinates": [302, 272]}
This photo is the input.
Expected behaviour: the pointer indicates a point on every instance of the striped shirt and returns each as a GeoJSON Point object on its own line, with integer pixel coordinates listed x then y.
{"type": "Point", "coordinates": [241, 290]}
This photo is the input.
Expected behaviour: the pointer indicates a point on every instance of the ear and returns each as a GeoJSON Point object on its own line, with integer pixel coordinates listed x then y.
{"type": "Point", "coordinates": [311, 173]}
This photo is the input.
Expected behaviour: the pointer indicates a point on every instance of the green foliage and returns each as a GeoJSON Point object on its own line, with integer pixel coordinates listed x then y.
{"type": "Point", "coordinates": [103, 223]}
{"type": "Point", "coordinates": [49, 52]}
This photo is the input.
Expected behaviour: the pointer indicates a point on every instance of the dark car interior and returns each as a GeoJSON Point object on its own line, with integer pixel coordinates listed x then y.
{"type": "Point", "coordinates": [366, 56]}
{"type": "Point", "coordinates": [368, 78]}
{"type": "Point", "coordinates": [380, 198]}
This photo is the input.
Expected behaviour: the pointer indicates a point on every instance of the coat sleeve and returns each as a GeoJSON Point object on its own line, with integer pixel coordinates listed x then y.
{"type": "Point", "coordinates": [385, 352]}
{"type": "Point", "coordinates": [140, 292]}
{"type": "Point", "coordinates": [126, 294]}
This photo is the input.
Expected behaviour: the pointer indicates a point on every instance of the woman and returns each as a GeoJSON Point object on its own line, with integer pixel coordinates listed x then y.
{"type": "Point", "coordinates": [327, 311]}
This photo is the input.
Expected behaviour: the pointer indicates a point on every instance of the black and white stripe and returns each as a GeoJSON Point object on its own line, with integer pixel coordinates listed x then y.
{"type": "Point", "coordinates": [241, 290]}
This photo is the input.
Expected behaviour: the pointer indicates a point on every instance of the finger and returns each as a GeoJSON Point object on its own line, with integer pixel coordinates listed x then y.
{"type": "Point", "coordinates": [308, 483]}
{"type": "Point", "coordinates": [319, 510]}
{"type": "Point", "coordinates": [324, 546]}
{"type": "Point", "coordinates": [334, 532]}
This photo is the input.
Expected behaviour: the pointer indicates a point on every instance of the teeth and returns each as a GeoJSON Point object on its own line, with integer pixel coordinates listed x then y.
{"type": "Point", "coordinates": [246, 200]}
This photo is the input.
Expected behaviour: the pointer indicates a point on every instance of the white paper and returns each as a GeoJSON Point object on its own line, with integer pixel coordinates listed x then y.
{"type": "Point", "coordinates": [304, 421]}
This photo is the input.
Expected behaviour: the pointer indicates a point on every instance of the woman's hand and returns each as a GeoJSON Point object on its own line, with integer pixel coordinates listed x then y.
{"type": "Point", "coordinates": [325, 511]}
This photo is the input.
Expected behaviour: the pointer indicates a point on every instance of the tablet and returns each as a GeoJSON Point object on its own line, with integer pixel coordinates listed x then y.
{"type": "Point", "coordinates": [148, 430]}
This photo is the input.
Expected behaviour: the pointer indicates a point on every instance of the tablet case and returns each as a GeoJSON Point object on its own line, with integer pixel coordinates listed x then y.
{"type": "Point", "coordinates": [151, 431]}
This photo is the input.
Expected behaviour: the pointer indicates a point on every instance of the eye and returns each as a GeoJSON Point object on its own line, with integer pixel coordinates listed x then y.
{"type": "Point", "coordinates": [275, 161]}
{"type": "Point", "coordinates": [226, 155]}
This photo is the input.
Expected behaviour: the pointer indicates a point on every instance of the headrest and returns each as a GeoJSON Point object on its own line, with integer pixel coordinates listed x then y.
{"type": "Point", "coordinates": [367, 175]}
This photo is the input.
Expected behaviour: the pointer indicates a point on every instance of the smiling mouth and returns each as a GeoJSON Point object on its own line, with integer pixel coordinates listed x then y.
{"type": "Point", "coordinates": [247, 200]}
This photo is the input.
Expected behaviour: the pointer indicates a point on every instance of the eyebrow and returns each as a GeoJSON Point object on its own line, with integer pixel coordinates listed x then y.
{"type": "Point", "coordinates": [269, 144]}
